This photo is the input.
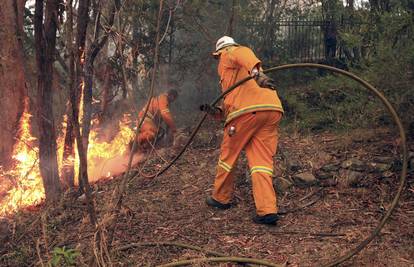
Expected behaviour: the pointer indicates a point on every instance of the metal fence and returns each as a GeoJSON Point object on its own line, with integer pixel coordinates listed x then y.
{"type": "Point", "coordinates": [306, 40]}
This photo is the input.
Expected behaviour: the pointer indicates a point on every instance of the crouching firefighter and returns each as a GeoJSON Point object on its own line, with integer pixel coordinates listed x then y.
{"type": "Point", "coordinates": [158, 109]}
{"type": "Point", "coordinates": [252, 113]}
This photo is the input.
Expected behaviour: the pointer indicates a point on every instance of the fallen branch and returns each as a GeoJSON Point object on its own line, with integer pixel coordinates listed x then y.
{"type": "Point", "coordinates": [294, 233]}
{"type": "Point", "coordinates": [311, 194]}
{"type": "Point", "coordinates": [222, 259]}
{"type": "Point", "coordinates": [310, 203]}
{"type": "Point", "coordinates": [175, 244]}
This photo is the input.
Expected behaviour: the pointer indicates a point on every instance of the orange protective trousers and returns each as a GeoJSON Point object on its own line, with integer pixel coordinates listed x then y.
{"type": "Point", "coordinates": [257, 133]}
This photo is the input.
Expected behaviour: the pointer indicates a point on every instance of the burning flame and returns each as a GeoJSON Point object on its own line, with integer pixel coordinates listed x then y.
{"type": "Point", "coordinates": [106, 158]}
{"type": "Point", "coordinates": [27, 187]}
{"type": "Point", "coordinates": [23, 187]}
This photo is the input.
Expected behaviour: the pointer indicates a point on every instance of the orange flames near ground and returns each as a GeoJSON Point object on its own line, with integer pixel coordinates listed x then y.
{"type": "Point", "coordinates": [24, 178]}
{"type": "Point", "coordinates": [22, 186]}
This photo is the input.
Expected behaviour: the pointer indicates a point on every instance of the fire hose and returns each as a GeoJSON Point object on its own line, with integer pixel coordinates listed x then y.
{"type": "Point", "coordinates": [370, 88]}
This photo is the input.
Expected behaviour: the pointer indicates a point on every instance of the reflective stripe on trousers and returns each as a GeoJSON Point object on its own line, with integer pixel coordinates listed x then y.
{"type": "Point", "coordinates": [257, 133]}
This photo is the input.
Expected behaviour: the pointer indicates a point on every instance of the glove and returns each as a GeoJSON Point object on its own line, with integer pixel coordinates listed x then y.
{"type": "Point", "coordinates": [255, 73]}
{"type": "Point", "coordinates": [210, 109]}
{"type": "Point", "coordinates": [265, 81]}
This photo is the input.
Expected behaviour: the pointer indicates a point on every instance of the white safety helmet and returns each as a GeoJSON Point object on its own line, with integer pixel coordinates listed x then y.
{"type": "Point", "coordinates": [222, 43]}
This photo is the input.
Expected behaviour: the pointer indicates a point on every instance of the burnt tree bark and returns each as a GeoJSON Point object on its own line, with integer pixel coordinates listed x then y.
{"type": "Point", "coordinates": [45, 37]}
{"type": "Point", "coordinates": [74, 95]}
{"type": "Point", "coordinates": [78, 54]}
{"type": "Point", "coordinates": [68, 173]}
{"type": "Point", "coordinates": [106, 96]}
{"type": "Point", "coordinates": [12, 76]}
{"type": "Point", "coordinates": [91, 54]}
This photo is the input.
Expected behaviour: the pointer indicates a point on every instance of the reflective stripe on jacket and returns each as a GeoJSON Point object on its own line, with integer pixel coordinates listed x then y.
{"type": "Point", "coordinates": [236, 63]}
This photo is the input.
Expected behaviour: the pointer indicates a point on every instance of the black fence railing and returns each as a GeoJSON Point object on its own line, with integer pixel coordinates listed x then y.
{"type": "Point", "coordinates": [304, 40]}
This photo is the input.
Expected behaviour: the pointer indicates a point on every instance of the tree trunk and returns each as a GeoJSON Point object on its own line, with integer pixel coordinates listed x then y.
{"type": "Point", "coordinates": [45, 37]}
{"type": "Point", "coordinates": [91, 54]}
{"type": "Point", "coordinates": [77, 54]}
{"type": "Point", "coordinates": [12, 76]}
{"type": "Point", "coordinates": [266, 47]}
{"type": "Point", "coordinates": [106, 96]}
{"type": "Point", "coordinates": [230, 29]}
{"type": "Point", "coordinates": [350, 4]}
{"type": "Point", "coordinates": [68, 171]}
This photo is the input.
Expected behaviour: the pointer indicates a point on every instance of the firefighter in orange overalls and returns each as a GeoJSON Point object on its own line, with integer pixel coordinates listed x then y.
{"type": "Point", "coordinates": [158, 109]}
{"type": "Point", "coordinates": [252, 113]}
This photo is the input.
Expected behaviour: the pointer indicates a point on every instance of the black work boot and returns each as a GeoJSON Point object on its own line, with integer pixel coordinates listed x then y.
{"type": "Point", "coordinates": [271, 219]}
{"type": "Point", "coordinates": [214, 203]}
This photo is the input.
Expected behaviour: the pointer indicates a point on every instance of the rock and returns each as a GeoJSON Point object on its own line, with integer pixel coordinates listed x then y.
{"type": "Point", "coordinates": [411, 160]}
{"type": "Point", "coordinates": [282, 184]}
{"type": "Point", "coordinates": [355, 165]}
{"type": "Point", "coordinates": [321, 158]}
{"type": "Point", "coordinates": [294, 165]}
{"type": "Point", "coordinates": [388, 160]}
{"type": "Point", "coordinates": [387, 174]}
{"type": "Point", "coordinates": [330, 167]}
{"type": "Point", "coordinates": [380, 167]}
{"type": "Point", "coordinates": [349, 178]}
{"type": "Point", "coordinates": [328, 182]}
{"type": "Point", "coordinates": [323, 175]}
{"type": "Point", "coordinates": [397, 165]}
{"type": "Point", "coordinates": [410, 130]}
{"type": "Point", "coordinates": [411, 164]}
{"type": "Point", "coordinates": [305, 179]}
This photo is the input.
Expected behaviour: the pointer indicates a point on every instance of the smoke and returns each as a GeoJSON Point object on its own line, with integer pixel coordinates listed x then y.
{"type": "Point", "coordinates": [112, 167]}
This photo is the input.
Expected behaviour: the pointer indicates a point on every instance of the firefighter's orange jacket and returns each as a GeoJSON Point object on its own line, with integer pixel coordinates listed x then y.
{"type": "Point", "coordinates": [159, 107]}
{"type": "Point", "coordinates": [236, 63]}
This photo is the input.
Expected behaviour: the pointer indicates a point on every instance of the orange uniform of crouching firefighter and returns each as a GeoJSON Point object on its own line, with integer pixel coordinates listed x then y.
{"type": "Point", "coordinates": [252, 114]}
{"type": "Point", "coordinates": [158, 108]}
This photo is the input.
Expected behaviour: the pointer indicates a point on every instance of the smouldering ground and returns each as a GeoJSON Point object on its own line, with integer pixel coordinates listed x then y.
{"type": "Point", "coordinates": [172, 208]}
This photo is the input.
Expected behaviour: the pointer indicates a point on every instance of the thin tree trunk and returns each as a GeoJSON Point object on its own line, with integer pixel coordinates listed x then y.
{"type": "Point", "coordinates": [68, 173]}
{"type": "Point", "coordinates": [106, 96]}
{"type": "Point", "coordinates": [82, 24]}
{"type": "Point", "coordinates": [171, 43]}
{"type": "Point", "coordinates": [45, 36]}
{"type": "Point", "coordinates": [230, 29]}
{"type": "Point", "coordinates": [91, 54]}
{"type": "Point", "coordinates": [120, 45]}
{"type": "Point", "coordinates": [77, 55]}
{"type": "Point", "coordinates": [350, 4]}
{"type": "Point", "coordinates": [266, 48]}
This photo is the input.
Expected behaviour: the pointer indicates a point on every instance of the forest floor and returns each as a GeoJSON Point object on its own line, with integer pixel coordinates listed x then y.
{"type": "Point", "coordinates": [355, 178]}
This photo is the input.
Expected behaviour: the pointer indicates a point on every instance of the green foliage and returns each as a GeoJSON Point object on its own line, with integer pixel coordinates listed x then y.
{"type": "Point", "coordinates": [350, 39]}
{"type": "Point", "coordinates": [333, 102]}
{"type": "Point", "coordinates": [382, 52]}
{"type": "Point", "coordinates": [63, 257]}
